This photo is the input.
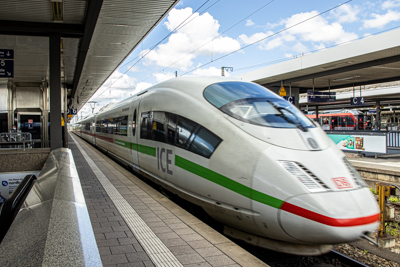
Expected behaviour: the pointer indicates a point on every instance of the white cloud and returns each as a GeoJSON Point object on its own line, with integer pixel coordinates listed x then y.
{"type": "Point", "coordinates": [390, 4]}
{"type": "Point", "coordinates": [134, 68]}
{"type": "Point", "coordinates": [288, 55]}
{"type": "Point", "coordinates": [254, 38]}
{"type": "Point", "coordinates": [300, 48]}
{"type": "Point", "coordinates": [317, 29]}
{"type": "Point", "coordinates": [346, 13]}
{"type": "Point", "coordinates": [211, 71]}
{"type": "Point", "coordinates": [143, 85]}
{"type": "Point", "coordinates": [319, 46]}
{"type": "Point", "coordinates": [202, 29]}
{"type": "Point", "coordinates": [119, 86]}
{"type": "Point", "coordinates": [249, 22]}
{"type": "Point", "coordinates": [160, 77]}
{"type": "Point", "coordinates": [379, 21]}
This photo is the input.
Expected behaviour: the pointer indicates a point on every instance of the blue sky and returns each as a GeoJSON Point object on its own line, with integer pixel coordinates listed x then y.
{"type": "Point", "coordinates": [246, 35]}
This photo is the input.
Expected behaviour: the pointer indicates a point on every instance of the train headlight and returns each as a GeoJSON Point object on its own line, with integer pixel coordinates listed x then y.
{"type": "Point", "coordinates": [304, 176]}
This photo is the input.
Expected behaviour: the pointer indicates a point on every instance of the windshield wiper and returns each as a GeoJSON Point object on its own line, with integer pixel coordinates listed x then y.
{"type": "Point", "coordinates": [297, 122]}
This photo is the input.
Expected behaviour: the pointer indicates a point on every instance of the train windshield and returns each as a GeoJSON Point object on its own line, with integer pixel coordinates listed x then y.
{"type": "Point", "coordinates": [255, 104]}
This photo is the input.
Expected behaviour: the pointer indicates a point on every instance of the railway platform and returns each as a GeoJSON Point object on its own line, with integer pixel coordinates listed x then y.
{"type": "Point", "coordinates": [135, 225]}
{"type": "Point", "coordinates": [385, 168]}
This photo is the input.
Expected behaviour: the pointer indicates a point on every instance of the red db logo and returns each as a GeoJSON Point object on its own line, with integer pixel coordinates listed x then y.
{"type": "Point", "coordinates": [341, 183]}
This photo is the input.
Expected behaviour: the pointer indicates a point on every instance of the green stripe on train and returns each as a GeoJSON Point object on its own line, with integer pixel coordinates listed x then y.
{"type": "Point", "coordinates": [215, 178]}
{"type": "Point", "coordinates": [227, 183]}
{"type": "Point", "coordinates": [122, 143]}
{"type": "Point", "coordinates": [151, 151]}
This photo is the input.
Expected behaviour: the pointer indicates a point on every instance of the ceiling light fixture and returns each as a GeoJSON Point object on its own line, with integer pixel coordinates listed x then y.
{"type": "Point", "coordinates": [57, 6]}
{"type": "Point", "coordinates": [346, 78]}
{"type": "Point", "coordinates": [337, 65]}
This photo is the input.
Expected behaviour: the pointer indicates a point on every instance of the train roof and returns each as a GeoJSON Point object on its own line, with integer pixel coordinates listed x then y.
{"type": "Point", "coordinates": [193, 85]}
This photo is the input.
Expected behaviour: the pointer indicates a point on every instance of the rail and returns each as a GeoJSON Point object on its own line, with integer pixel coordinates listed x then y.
{"type": "Point", "coordinates": [53, 227]}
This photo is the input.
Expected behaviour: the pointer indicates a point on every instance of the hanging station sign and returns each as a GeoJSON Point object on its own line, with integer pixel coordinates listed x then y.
{"type": "Point", "coordinates": [321, 96]}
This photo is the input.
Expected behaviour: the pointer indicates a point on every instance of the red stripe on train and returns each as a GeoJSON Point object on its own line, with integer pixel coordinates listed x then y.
{"type": "Point", "coordinates": [328, 220]}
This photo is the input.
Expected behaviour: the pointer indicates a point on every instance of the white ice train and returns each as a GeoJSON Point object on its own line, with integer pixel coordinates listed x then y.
{"type": "Point", "coordinates": [249, 158]}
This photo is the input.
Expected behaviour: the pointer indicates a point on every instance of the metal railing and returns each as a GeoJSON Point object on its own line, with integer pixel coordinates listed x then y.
{"type": "Point", "coordinates": [393, 139]}
{"type": "Point", "coordinates": [16, 139]}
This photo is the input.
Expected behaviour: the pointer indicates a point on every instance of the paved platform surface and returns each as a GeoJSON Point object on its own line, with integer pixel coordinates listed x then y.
{"type": "Point", "coordinates": [385, 164]}
{"type": "Point", "coordinates": [135, 225]}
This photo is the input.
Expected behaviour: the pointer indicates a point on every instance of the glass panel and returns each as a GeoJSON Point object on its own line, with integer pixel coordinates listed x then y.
{"type": "Point", "coordinates": [205, 143]}
{"type": "Point", "coordinates": [185, 128]}
{"type": "Point", "coordinates": [145, 128]}
{"type": "Point", "coordinates": [158, 132]}
{"type": "Point", "coordinates": [134, 124]}
{"type": "Point", "coordinates": [171, 131]}
{"type": "Point", "coordinates": [269, 112]}
{"type": "Point", "coordinates": [255, 104]}
{"type": "Point", "coordinates": [220, 94]}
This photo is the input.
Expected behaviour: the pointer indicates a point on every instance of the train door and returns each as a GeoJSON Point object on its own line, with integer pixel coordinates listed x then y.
{"type": "Point", "coordinates": [135, 135]}
{"type": "Point", "coordinates": [92, 131]}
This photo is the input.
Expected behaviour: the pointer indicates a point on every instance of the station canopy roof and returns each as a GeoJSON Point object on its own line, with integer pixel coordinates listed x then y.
{"type": "Point", "coordinates": [371, 60]}
{"type": "Point", "coordinates": [97, 35]}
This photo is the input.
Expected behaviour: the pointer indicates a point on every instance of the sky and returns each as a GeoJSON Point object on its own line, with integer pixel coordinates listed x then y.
{"type": "Point", "coordinates": [198, 37]}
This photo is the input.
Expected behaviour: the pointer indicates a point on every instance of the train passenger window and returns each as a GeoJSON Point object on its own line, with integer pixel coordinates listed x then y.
{"type": "Point", "coordinates": [158, 132]}
{"type": "Point", "coordinates": [184, 129]}
{"type": "Point", "coordinates": [171, 127]}
{"type": "Point", "coordinates": [134, 123]}
{"type": "Point", "coordinates": [146, 125]}
{"type": "Point", "coordinates": [204, 143]}
{"type": "Point", "coordinates": [98, 126]}
{"type": "Point", "coordinates": [121, 126]}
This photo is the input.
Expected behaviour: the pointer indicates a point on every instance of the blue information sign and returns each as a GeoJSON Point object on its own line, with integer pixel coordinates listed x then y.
{"type": "Point", "coordinates": [357, 101]}
{"type": "Point", "coordinates": [6, 68]}
{"type": "Point", "coordinates": [72, 111]}
{"type": "Point", "coordinates": [290, 99]}
{"type": "Point", "coordinates": [321, 96]}
{"type": "Point", "coordinates": [7, 53]}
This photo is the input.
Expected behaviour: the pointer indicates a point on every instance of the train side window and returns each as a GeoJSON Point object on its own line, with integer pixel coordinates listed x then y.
{"type": "Point", "coordinates": [122, 125]}
{"type": "Point", "coordinates": [204, 143]}
{"type": "Point", "coordinates": [184, 129]}
{"type": "Point", "coordinates": [146, 125]}
{"type": "Point", "coordinates": [158, 132]}
{"type": "Point", "coordinates": [134, 123]}
{"type": "Point", "coordinates": [171, 127]}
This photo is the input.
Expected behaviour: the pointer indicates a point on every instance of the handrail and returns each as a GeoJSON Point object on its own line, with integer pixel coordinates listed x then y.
{"type": "Point", "coordinates": [11, 206]}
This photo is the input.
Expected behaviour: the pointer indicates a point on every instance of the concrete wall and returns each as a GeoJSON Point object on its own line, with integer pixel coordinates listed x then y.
{"type": "Point", "coordinates": [18, 160]}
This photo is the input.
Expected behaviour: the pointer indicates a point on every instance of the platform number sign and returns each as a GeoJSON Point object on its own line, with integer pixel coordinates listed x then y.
{"type": "Point", "coordinates": [357, 101]}
{"type": "Point", "coordinates": [72, 111]}
{"type": "Point", "coordinates": [290, 99]}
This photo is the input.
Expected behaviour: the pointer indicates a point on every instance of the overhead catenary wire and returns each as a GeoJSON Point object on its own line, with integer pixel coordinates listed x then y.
{"type": "Point", "coordinates": [251, 14]}
{"type": "Point", "coordinates": [269, 36]}
{"type": "Point", "coordinates": [154, 46]}
{"type": "Point", "coordinates": [310, 52]}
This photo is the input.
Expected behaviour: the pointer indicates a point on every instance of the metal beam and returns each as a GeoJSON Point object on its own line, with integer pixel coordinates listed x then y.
{"type": "Point", "coordinates": [363, 65]}
{"type": "Point", "coordinates": [93, 12]}
{"type": "Point", "coordinates": [391, 79]}
{"type": "Point", "coordinates": [8, 27]}
{"type": "Point", "coordinates": [55, 91]}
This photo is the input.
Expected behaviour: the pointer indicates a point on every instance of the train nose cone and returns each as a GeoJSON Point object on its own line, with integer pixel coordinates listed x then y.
{"type": "Point", "coordinates": [329, 218]}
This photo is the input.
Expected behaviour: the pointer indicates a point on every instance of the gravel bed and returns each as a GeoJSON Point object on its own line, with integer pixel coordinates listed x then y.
{"type": "Point", "coordinates": [364, 256]}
